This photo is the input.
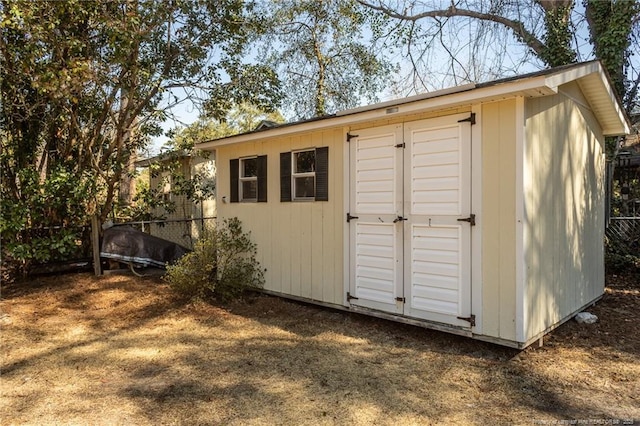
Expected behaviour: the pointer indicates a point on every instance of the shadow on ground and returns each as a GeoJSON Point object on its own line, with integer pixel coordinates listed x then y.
{"type": "Point", "coordinates": [81, 349]}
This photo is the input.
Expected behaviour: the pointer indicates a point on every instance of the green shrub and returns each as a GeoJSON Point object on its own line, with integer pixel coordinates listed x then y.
{"type": "Point", "coordinates": [616, 263]}
{"type": "Point", "coordinates": [222, 264]}
{"type": "Point", "coordinates": [622, 255]}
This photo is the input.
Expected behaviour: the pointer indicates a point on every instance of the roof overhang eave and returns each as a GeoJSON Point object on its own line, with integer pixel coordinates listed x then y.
{"type": "Point", "coordinates": [590, 74]}
{"type": "Point", "coordinates": [469, 94]}
{"type": "Point", "coordinates": [591, 77]}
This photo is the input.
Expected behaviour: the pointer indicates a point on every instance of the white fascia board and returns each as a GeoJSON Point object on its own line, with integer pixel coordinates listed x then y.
{"type": "Point", "coordinates": [566, 76]}
{"type": "Point", "coordinates": [616, 131]}
{"type": "Point", "coordinates": [415, 98]}
{"type": "Point", "coordinates": [613, 109]}
{"type": "Point", "coordinates": [592, 74]}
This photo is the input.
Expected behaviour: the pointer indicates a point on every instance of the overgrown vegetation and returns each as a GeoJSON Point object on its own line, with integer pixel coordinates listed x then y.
{"type": "Point", "coordinates": [622, 256]}
{"type": "Point", "coordinates": [223, 265]}
{"type": "Point", "coordinates": [85, 86]}
{"type": "Point", "coordinates": [43, 226]}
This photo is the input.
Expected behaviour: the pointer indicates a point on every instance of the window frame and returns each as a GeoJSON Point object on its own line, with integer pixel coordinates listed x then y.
{"type": "Point", "coordinates": [242, 179]}
{"type": "Point", "coordinates": [321, 175]}
{"type": "Point", "coordinates": [235, 183]}
{"type": "Point", "coordinates": [295, 175]}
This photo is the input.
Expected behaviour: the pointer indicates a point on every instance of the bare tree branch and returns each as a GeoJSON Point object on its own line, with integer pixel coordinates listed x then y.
{"type": "Point", "coordinates": [452, 11]}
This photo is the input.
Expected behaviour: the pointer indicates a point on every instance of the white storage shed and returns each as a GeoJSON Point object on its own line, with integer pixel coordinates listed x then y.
{"type": "Point", "coordinates": [477, 210]}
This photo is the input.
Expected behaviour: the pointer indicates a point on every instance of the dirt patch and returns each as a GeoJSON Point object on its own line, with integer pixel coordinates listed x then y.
{"type": "Point", "coordinates": [123, 350]}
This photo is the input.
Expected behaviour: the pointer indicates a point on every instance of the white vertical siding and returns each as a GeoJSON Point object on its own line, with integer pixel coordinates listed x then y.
{"type": "Point", "coordinates": [499, 219]}
{"type": "Point", "coordinates": [564, 205]}
{"type": "Point", "coordinates": [299, 243]}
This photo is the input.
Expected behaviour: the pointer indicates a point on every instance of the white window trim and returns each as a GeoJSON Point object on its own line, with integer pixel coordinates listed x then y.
{"type": "Point", "coordinates": [295, 175]}
{"type": "Point", "coordinates": [242, 179]}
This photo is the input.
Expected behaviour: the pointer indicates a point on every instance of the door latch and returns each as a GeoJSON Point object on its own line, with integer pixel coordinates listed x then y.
{"type": "Point", "coordinates": [349, 217]}
{"type": "Point", "coordinates": [398, 219]}
{"type": "Point", "coordinates": [471, 219]}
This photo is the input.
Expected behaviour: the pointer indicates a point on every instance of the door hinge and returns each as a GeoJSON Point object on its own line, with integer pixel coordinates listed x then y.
{"type": "Point", "coordinates": [349, 217]}
{"type": "Point", "coordinates": [351, 136]}
{"type": "Point", "coordinates": [471, 319]}
{"type": "Point", "coordinates": [401, 299]}
{"type": "Point", "coordinates": [350, 297]}
{"type": "Point", "coordinates": [471, 219]}
{"type": "Point", "coordinates": [471, 119]}
{"type": "Point", "coordinates": [401, 145]}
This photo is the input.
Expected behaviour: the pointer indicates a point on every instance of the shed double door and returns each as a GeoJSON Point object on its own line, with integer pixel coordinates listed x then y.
{"type": "Point", "coordinates": [410, 243]}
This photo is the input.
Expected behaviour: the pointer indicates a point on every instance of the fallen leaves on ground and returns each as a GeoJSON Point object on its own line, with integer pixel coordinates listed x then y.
{"type": "Point", "coordinates": [119, 349]}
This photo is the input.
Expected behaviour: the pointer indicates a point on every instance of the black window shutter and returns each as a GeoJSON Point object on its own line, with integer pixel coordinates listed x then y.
{"type": "Point", "coordinates": [322, 174]}
{"type": "Point", "coordinates": [285, 176]}
{"type": "Point", "coordinates": [234, 170]}
{"type": "Point", "coordinates": [262, 178]}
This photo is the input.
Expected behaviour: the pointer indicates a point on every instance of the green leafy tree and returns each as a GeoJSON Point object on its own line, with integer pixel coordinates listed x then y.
{"type": "Point", "coordinates": [86, 83]}
{"type": "Point", "coordinates": [324, 52]}
{"type": "Point", "coordinates": [241, 118]}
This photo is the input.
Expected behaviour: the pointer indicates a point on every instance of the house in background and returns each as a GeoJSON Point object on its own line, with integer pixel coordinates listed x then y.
{"type": "Point", "coordinates": [477, 210]}
{"type": "Point", "coordinates": [181, 225]}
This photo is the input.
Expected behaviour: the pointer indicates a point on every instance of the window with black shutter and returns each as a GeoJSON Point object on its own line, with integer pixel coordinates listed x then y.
{"type": "Point", "coordinates": [248, 179]}
{"type": "Point", "coordinates": [304, 175]}
{"type": "Point", "coordinates": [234, 170]}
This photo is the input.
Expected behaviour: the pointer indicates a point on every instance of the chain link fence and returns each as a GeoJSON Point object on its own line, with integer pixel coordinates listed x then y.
{"type": "Point", "coordinates": [180, 231]}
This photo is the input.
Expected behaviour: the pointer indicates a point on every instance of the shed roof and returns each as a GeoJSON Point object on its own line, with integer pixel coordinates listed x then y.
{"type": "Point", "coordinates": [163, 156]}
{"type": "Point", "coordinates": [590, 76]}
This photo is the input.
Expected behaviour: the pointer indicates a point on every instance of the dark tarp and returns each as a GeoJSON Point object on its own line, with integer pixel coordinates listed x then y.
{"type": "Point", "coordinates": [126, 244]}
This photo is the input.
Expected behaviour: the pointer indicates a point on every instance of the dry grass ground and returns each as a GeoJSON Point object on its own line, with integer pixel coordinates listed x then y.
{"type": "Point", "coordinates": [121, 350]}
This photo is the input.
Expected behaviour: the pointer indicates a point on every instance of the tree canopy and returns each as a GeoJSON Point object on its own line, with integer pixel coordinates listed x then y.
{"type": "Point", "coordinates": [241, 118]}
{"type": "Point", "coordinates": [83, 88]}
{"type": "Point", "coordinates": [325, 53]}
